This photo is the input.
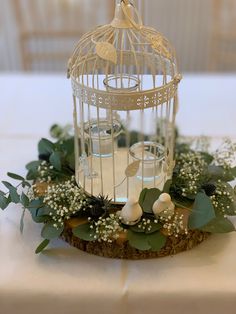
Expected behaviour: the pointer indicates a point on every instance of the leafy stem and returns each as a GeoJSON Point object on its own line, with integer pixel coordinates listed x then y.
{"type": "Point", "coordinates": [12, 196]}
{"type": "Point", "coordinates": [182, 206]}
{"type": "Point", "coordinates": [8, 192]}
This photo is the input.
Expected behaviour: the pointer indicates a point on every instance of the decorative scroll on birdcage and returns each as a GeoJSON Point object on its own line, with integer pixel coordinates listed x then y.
{"type": "Point", "coordinates": [124, 79]}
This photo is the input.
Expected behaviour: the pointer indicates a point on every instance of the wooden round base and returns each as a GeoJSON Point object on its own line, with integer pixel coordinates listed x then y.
{"type": "Point", "coordinates": [125, 251]}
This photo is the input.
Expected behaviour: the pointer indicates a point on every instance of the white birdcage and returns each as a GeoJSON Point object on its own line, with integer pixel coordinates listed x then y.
{"type": "Point", "coordinates": [124, 78]}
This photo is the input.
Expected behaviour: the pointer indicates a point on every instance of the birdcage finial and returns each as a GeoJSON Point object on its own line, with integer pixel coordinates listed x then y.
{"type": "Point", "coordinates": [125, 15]}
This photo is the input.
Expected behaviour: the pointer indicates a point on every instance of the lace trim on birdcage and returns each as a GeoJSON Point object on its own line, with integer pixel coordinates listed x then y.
{"type": "Point", "coordinates": [125, 101]}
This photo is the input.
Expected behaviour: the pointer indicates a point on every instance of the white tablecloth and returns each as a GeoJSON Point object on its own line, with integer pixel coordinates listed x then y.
{"type": "Point", "coordinates": [64, 280]}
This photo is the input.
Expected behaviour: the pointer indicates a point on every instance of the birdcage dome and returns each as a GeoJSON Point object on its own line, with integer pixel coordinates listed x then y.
{"type": "Point", "coordinates": [138, 65]}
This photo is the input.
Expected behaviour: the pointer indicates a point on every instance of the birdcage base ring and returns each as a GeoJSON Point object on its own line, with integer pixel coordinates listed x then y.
{"type": "Point", "coordinates": [124, 251]}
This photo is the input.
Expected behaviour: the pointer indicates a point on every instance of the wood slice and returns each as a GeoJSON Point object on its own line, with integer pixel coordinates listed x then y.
{"type": "Point", "coordinates": [123, 250]}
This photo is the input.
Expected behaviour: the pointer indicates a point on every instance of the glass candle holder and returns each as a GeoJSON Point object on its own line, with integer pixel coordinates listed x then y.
{"type": "Point", "coordinates": [121, 83]}
{"type": "Point", "coordinates": [151, 156]}
{"type": "Point", "coordinates": [102, 136]}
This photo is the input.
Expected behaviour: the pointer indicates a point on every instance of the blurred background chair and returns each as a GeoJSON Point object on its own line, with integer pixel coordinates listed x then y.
{"type": "Point", "coordinates": [39, 35]}
{"type": "Point", "coordinates": [223, 49]}
{"type": "Point", "coordinates": [48, 29]}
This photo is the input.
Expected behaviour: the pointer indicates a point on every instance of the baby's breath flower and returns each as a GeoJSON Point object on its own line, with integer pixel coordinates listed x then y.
{"type": "Point", "coordinates": [223, 198]}
{"type": "Point", "coordinates": [31, 193]}
{"type": "Point", "coordinates": [174, 225]}
{"type": "Point", "coordinates": [146, 224]}
{"type": "Point", "coordinates": [65, 199]}
{"type": "Point", "coordinates": [225, 156]}
{"type": "Point", "coordinates": [45, 172]}
{"type": "Point", "coordinates": [190, 174]}
{"type": "Point", "coordinates": [107, 229]}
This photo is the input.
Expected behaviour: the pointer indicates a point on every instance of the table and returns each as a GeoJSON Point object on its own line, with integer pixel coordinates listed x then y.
{"type": "Point", "coordinates": [64, 280]}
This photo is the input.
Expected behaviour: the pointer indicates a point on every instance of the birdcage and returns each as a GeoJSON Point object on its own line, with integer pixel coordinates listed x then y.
{"type": "Point", "coordinates": [124, 78]}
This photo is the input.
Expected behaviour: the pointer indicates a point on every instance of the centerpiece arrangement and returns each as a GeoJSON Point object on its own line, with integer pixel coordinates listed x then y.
{"type": "Point", "coordinates": [123, 186]}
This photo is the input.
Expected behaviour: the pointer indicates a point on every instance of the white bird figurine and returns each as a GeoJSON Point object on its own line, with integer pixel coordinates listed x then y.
{"type": "Point", "coordinates": [131, 213]}
{"type": "Point", "coordinates": [164, 206]}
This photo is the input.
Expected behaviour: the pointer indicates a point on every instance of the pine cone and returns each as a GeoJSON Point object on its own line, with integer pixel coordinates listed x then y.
{"type": "Point", "coordinates": [100, 206]}
{"type": "Point", "coordinates": [44, 157]}
{"type": "Point", "coordinates": [209, 188]}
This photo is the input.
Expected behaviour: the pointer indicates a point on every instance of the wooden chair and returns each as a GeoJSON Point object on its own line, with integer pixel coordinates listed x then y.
{"type": "Point", "coordinates": [223, 47]}
{"type": "Point", "coordinates": [48, 29]}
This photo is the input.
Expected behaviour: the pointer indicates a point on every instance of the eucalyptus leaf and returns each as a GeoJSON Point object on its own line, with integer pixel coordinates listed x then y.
{"type": "Point", "coordinates": [71, 161]}
{"type": "Point", "coordinates": [228, 176]}
{"type": "Point", "coordinates": [202, 212]}
{"type": "Point", "coordinates": [15, 197]}
{"type": "Point", "coordinates": [180, 200]}
{"type": "Point", "coordinates": [55, 160]}
{"type": "Point", "coordinates": [68, 146]}
{"type": "Point", "coordinates": [150, 197]}
{"type": "Point", "coordinates": [207, 157]}
{"type": "Point", "coordinates": [43, 211]}
{"type": "Point", "coordinates": [8, 185]}
{"type": "Point", "coordinates": [84, 232]}
{"type": "Point", "coordinates": [138, 240]}
{"type": "Point", "coordinates": [45, 146]}
{"type": "Point", "coordinates": [157, 241]}
{"type": "Point", "coordinates": [39, 219]}
{"type": "Point", "coordinates": [167, 185]}
{"type": "Point", "coordinates": [36, 203]}
{"type": "Point", "coordinates": [25, 183]}
{"type": "Point", "coordinates": [4, 202]}
{"type": "Point", "coordinates": [32, 168]}
{"type": "Point", "coordinates": [31, 175]}
{"type": "Point", "coordinates": [33, 165]}
{"type": "Point", "coordinates": [34, 207]}
{"type": "Point", "coordinates": [219, 225]}
{"type": "Point", "coordinates": [215, 172]}
{"type": "Point", "coordinates": [233, 171]}
{"type": "Point", "coordinates": [50, 232]}
{"type": "Point", "coordinates": [22, 221]}
{"type": "Point", "coordinates": [142, 196]}
{"type": "Point", "coordinates": [154, 227]}
{"type": "Point", "coordinates": [24, 200]}
{"type": "Point", "coordinates": [137, 229]}
{"type": "Point", "coordinates": [231, 211]}
{"type": "Point", "coordinates": [42, 246]}
{"type": "Point", "coordinates": [15, 176]}
{"type": "Point", "coordinates": [219, 173]}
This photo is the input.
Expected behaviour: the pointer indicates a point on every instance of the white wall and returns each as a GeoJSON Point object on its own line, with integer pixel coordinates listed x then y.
{"type": "Point", "coordinates": [187, 23]}
{"type": "Point", "coordinates": [9, 49]}
{"type": "Point", "coordinates": [10, 58]}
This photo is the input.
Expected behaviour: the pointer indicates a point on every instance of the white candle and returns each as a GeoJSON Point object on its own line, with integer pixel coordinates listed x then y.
{"type": "Point", "coordinates": [102, 148]}
{"type": "Point", "coordinates": [151, 156]}
{"type": "Point", "coordinates": [150, 167]}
